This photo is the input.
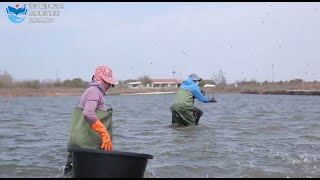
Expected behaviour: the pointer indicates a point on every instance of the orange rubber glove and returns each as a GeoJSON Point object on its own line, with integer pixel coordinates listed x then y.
{"type": "Point", "coordinates": [106, 140]}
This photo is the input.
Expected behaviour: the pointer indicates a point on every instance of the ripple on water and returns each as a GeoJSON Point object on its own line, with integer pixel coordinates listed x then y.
{"type": "Point", "coordinates": [240, 136]}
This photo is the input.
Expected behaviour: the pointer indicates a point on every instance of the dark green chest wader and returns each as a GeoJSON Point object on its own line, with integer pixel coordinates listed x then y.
{"type": "Point", "coordinates": [182, 109]}
{"type": "Point", "coordinates": [82, 135]}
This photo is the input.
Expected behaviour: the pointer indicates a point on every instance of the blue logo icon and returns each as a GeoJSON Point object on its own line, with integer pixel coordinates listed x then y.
{"type": "Point", "coordinates": [16, 15]}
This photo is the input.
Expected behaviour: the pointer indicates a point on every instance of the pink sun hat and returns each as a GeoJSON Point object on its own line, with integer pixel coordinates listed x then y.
{"type": "Point", "coordinates": [105, 73]}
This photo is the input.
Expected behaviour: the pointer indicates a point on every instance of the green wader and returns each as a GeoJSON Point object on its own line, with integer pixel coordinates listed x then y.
{"type": "Point", "coordinates": [182, 109]}
{"type": "Point", "coordinates": [83, 136]}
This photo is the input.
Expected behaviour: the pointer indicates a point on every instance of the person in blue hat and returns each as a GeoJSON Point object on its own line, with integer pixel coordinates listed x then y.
{"type": "Point", "coordinates": [183, 111]}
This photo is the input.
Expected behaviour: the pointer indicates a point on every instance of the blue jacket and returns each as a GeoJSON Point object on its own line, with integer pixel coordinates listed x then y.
{"type": "Point", "coordinates": [190, 85]}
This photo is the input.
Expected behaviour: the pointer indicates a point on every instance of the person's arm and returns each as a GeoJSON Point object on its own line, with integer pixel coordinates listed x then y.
{"type": "Point", "coordinates": [197, 94]}
{"type": "Point", "coordinates": [93, 98]}
{"type": "Point", "coordinates": [90, 107]}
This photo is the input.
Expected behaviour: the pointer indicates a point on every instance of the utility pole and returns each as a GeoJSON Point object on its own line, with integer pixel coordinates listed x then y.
{"type": "Point", "coordinates": [272, 73]}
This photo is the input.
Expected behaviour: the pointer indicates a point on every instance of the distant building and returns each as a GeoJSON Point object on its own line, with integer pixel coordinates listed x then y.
{"type": "Point", "coordinates": [136, 84]}
{"type": "Point", "coordinates": [157, 83]}
{"type": "Point", "coordinates": [209, 85]}
{"type": "Point", "coordinates": [165, 83]}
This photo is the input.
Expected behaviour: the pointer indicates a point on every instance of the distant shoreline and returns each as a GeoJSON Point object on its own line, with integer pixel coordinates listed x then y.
{"type": "Point", "coordinates": [286, 92]}
{"type": "Point", "coordinates": [151, 93]}
{"type": "Point", "coordinates": [15, 92]}
{"type": "Point", "coordinates": [27, 92]}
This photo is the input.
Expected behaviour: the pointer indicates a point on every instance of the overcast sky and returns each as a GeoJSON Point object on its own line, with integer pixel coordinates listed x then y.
{"type": "Point", "coordinates": [260, 41]}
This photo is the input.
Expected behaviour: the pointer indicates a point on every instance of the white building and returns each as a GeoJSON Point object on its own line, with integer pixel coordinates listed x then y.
{"type": "Point", "coordinates": [209, 85]}
{"type": "Point", "coordinates": [157, 83]}
{"type": "Point", "coordinates": [136, 84]}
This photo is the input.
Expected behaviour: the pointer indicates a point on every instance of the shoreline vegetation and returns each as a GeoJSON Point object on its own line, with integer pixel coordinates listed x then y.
{"type": "Point", "coordinates": [77, 91]}
{"type": "Point", "coordinates": [63, 91]}
{"type": "Point", "coordinates": [219, 85]}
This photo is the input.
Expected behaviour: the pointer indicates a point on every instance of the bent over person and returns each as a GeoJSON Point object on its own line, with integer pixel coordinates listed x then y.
{"type": "Point", "coordinates": [183, 111]}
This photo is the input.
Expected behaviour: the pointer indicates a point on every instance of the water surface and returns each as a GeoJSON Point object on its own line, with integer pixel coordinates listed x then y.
{"type": "Point", "coordinates": [243, 135]}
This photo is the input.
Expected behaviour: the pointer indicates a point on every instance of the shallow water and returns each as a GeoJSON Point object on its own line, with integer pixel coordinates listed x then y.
{"type": "Point", "coordinates": [240, 136]}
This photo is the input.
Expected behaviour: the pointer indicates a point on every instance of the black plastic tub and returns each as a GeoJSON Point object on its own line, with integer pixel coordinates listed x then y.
{"type": "Point", "coordinates": [108, 164]}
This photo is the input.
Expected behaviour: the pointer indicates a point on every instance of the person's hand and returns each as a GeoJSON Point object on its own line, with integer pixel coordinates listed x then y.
{"type": "Point", "coordinates": [105, 137]}
{"type": "Point", "coordinates": [106, 142]}
{"type": "Point", "coordinates": [212, 100]}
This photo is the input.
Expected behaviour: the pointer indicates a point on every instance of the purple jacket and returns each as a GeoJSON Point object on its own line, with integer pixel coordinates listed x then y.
{"type": "Point", "coordinates": [91, 100]}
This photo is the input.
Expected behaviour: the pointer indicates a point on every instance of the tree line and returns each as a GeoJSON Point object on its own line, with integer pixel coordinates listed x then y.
{"type": "Point", "coordinates": [7, 81]}
{"type": "Point", "coordinates": [218, 79]}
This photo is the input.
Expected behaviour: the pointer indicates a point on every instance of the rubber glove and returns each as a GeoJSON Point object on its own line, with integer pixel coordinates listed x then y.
{"type": "Point", "coordinates": [106, 140]}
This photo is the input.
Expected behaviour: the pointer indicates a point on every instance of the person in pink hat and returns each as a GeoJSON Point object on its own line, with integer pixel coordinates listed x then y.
{"type": "Point", "coordinates": [92, 111]}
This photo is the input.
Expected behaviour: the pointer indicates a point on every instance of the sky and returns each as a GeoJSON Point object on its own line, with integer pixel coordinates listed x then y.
{"type": "Point", "coordinates": [262, 41]}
